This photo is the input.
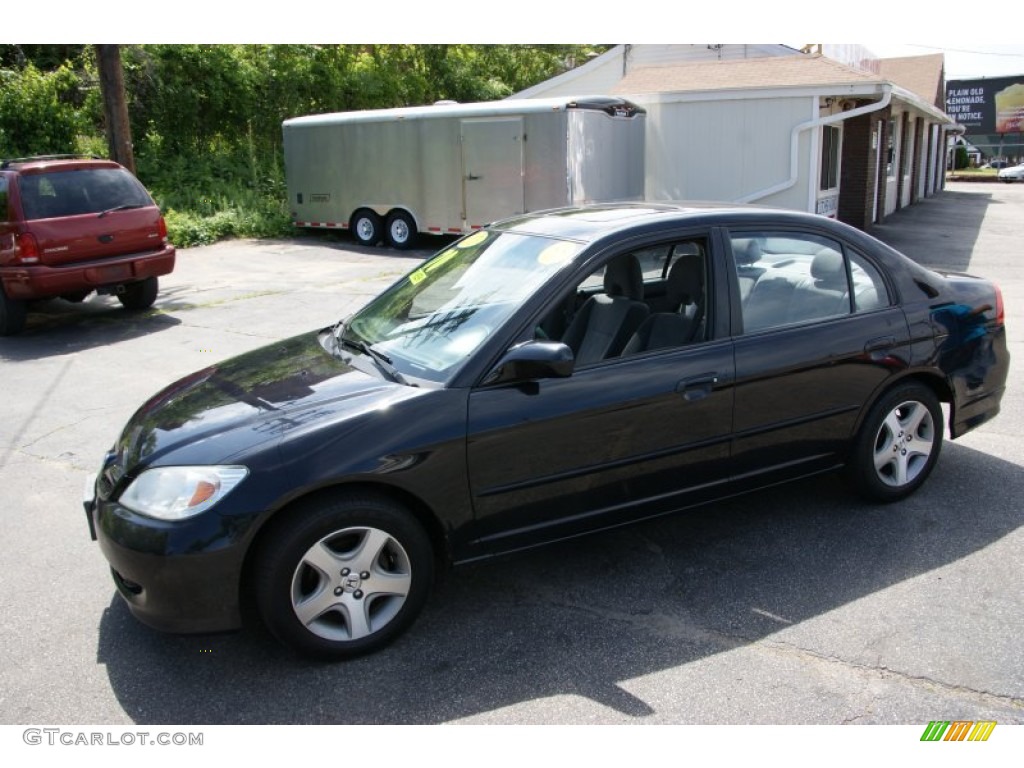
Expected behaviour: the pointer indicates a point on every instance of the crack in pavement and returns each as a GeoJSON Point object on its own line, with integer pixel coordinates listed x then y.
{"type": "Point", "coordinates": [990, 698]}
{"type": "Point", "coordinates": [44, 398]}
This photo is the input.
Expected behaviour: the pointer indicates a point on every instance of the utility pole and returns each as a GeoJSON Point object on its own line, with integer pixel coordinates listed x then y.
{"type": "Point", "coordinates": [115, 107]}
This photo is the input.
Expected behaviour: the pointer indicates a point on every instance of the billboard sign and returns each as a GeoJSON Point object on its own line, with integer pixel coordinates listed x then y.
{"type": "Point", "coordinates": [989, 105]}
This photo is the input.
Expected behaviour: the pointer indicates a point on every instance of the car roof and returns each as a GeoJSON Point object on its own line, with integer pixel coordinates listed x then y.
{"type": "Point", "coordinates": [44, 163]}
{"type": "Point", "coordinates": [593, 222]}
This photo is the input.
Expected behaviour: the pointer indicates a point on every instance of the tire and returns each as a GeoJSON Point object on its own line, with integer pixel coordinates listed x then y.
{"type": "Point", "coordinates": [343, 577]}
{"type": "Point", "coordinates": [12, 315]}
{"type": "Point", "coordinates": [366, 227]}
{"type": "Point", "coordinates": [898, 444]}
{"type": "Point", "coordinates": [400, 230]}
{"type": "Point", "coordinates": [140, 295]}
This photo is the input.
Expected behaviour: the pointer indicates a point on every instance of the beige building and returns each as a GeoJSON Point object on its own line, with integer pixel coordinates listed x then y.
{"type": "Point", "coordinates": [772, 125]}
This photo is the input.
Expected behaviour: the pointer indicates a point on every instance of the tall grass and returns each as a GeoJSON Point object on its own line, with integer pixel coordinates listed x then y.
{"type": "Point", "coordinates": [225, 192]}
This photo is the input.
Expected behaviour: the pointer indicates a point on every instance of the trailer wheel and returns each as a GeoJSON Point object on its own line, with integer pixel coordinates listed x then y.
{"type": "Point", "coordinates": [366, 227]}
{"type": "Point", "coordinates": [400, 230]}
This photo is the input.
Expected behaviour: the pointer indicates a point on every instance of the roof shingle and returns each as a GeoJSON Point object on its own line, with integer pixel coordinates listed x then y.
{"type": "Point", "coordinates": [773, 72]}
{"type": "Point", "coordinates": [921, 75]}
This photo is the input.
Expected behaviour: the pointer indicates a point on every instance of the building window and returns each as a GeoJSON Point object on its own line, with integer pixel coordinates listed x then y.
{"type": "Point", "coordinates": [830, 136]}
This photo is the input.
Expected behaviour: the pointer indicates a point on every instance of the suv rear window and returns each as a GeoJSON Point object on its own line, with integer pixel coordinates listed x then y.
{"type": "Point", "coordinates": [85, 190]}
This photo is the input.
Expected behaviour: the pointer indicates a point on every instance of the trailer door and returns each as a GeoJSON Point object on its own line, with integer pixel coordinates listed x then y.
{"type": "Point", "coordinates": [492, 169]}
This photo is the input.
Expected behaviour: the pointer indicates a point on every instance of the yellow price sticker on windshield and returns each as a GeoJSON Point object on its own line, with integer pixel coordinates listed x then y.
{"type": "Point", "coordinates": [472, 240]}
{"type": "Point", "coordinates": [441, 260]}
{"type": "Point", "coordinates": [559, 253]}
{"type": "Point", "coordinates": [417, 277]}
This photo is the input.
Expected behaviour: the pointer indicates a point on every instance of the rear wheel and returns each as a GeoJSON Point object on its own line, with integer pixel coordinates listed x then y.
{"type": "Point", "coordinates": [343, 577]}
{"type": "Point", "coordinates": [898, 445]}
{"type": "Point", "coordinates": [366, 227]}
{"type": "Point", "coordinates": [12, 315]}
{"type": "Point", "coordinates": [400, 230]}
{"type": "Point", "coordinates": [140, 295]}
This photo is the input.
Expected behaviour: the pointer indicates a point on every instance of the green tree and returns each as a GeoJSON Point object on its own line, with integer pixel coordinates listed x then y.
{"type": "Point", "coordinates": [40, 112]}
{"type": "Point", "coordinates": [961, 159]}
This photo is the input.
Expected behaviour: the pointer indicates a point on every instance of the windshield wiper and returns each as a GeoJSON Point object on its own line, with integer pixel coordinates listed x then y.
{"type": "Point", "coordinates": [382, 361]}
{"type": "Point", "coordinates": [125, 207]}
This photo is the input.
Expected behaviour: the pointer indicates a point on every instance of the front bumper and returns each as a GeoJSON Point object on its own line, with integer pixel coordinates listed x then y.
{"type": "Point", "coordinates": [182, 576]}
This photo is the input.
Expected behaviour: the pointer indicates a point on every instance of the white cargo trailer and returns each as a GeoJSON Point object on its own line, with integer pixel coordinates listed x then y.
{"type": "Point", "coordinates": [452, 168]}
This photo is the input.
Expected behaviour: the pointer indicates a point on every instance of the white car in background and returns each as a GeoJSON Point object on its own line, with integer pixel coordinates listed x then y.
{"type": "Point", "coordinates": [1014, 173]}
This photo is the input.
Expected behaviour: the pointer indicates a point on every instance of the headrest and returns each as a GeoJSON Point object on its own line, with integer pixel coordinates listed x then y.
{"type": "Point", "coordinates": [746, 250]}
{"type": "Point", "coordinates": [828, 267]}
{"type": "Point", "coordinates": [623, 277]}
{"type": "Point", "coordinates": [685, 281]}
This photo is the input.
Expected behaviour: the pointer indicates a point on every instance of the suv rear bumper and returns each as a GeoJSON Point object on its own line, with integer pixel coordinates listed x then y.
{"type": "Point", "coordinates": [43, 282]}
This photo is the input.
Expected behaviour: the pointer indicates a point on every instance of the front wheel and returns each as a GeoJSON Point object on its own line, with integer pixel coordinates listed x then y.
{"type": "Point", "coordinates": [344, 577]}
{"type": "Point", "coordinates": [898, 445]}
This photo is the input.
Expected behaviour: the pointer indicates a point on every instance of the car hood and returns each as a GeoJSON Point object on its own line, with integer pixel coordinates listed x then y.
{"type": "Point", "coordinates": [232, 407]}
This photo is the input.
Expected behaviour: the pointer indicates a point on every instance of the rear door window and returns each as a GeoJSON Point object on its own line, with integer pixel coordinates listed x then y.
{"type": "Point", "coordinates": [789, 277]}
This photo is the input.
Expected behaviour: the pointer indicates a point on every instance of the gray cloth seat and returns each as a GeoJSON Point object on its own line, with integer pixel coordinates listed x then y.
{"type": "Point", "coordinates": [780, 299]}
{"type": "Point", "coordinates": [825, 294]}
{"type": "Point", "coordinates": [605, 323]}
{"type": "Point", "coordinates": [746, 253]}
{"type": "Point", "coordinates": [683, 325]}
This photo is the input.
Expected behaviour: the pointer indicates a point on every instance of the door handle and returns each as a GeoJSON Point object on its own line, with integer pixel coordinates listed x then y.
{"type": "Point", "coordinates": [697, 387]}
{"type": "Point", "coordinates": [880, 344]}
{"type": "Point", "coordinates": [472, 177]}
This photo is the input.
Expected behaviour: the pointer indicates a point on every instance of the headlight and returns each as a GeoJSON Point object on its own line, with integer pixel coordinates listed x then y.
{"type": "Point", "coordinates": [176, 493]}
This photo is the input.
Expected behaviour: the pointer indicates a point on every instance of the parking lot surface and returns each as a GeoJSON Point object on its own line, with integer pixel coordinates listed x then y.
{"type": "Point", "coordinates": [797, 605]}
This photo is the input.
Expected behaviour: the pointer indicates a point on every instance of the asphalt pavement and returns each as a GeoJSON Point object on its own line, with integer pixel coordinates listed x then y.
{"type": "Point", "coordinates": [798, 605]}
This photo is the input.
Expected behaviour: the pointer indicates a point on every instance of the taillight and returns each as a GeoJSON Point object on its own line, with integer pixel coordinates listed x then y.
{"type": "Point", "coordinates": [161, 227]}
{"type": "Point", "coordinates": [1000, 311]}
{"type": "Point", "coordinates": [26, 249]}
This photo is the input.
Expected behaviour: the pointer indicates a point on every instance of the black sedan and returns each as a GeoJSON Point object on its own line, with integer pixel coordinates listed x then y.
{"type": "Point", "coordinates": [548, 376]}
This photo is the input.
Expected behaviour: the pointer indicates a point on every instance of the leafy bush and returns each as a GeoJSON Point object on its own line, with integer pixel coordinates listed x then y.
{"type": "Point", "coordinates": [40, 112]}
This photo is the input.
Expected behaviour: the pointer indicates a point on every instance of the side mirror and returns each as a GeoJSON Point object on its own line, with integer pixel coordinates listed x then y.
{"type": "Point", "coordinates": [532, 360]}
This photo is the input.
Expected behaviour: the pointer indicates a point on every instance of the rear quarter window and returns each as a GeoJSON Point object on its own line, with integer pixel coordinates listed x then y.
{"type": "Point", "coordinates": [4, 213]}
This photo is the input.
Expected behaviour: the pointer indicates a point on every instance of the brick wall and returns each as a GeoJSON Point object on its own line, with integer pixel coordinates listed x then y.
{"type": "Point", "coordinates": [860, 169]}
{"type": "Point", "coordinates": [917, 168]}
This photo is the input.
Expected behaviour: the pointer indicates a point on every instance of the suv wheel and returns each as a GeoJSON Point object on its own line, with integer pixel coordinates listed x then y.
{"type": "Point", "coordinates": [12, 315]}
{"type": "Point", "coordinates": [140, 295]}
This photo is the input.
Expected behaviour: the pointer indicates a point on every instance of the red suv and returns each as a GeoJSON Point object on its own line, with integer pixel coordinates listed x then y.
{"type": "Point", "coordinates": [72, 225]}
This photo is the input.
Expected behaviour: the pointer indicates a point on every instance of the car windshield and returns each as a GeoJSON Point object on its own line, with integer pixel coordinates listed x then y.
{"type": "Point", "coordinates": [434, 318]}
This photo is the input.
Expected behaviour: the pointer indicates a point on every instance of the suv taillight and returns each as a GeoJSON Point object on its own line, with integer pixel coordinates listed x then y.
{"type": "Point", "coordinates": [161, 228]}
{"type": "Point", "coordinates": [1000, 308]}
{"type": "Point", "coordinates": [26, 249]}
